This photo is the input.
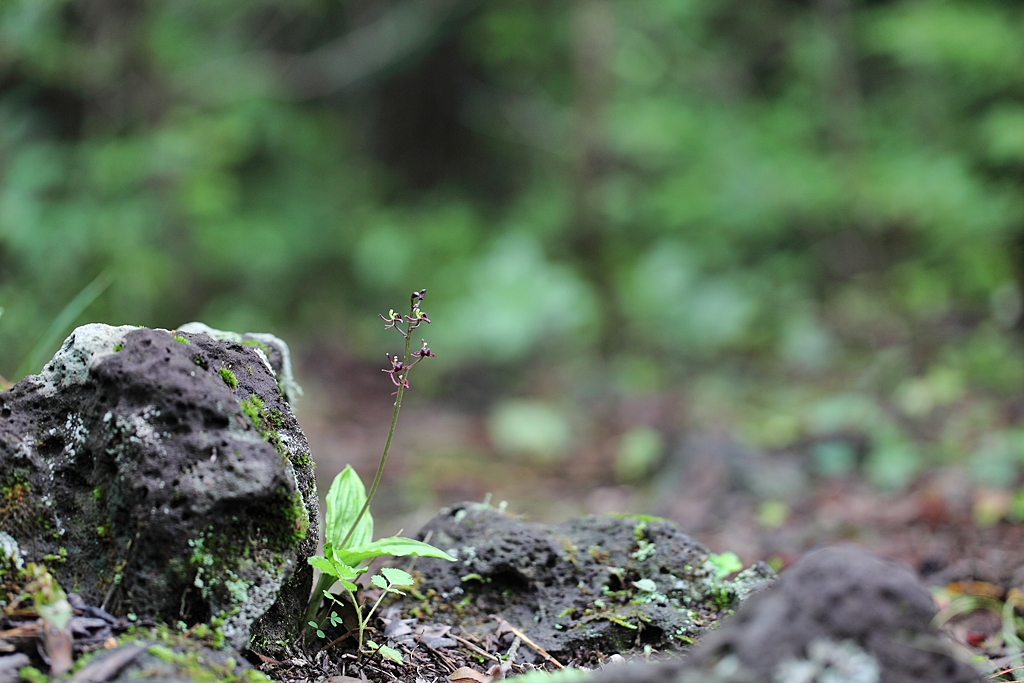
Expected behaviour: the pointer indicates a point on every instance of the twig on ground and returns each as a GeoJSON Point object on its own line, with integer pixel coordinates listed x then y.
{"type": "Point", "coordinates": [339, 639]}
{"type": "Point", "coordinates": [479, 650]}
{"type": "Point", "coordinates": [541, 651]}
{"type": "Point", "coordinates": [440, 655]}
{"type": "Point", "coordinates": [506, 666]}
{"type": "Point", "coordinates": [105, 668]}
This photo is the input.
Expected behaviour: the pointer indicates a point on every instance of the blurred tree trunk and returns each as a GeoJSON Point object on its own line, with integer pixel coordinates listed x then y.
{"type": "Point", "coordinates": [593, 33]}
{"type": "Point", "coordinates": [844, 125]}
{"type": "Point", "coordinates": [843, 119]}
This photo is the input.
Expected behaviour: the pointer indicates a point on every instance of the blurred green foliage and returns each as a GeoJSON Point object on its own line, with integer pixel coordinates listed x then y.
{"type": "Point", "coordinates": [827, 191]}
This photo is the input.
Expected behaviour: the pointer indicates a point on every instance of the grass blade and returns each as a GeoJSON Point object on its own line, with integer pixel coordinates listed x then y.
{"type": "Point", "coordinates": [4, 384]}
{"type": "Point", "coordinates": [59, 327]}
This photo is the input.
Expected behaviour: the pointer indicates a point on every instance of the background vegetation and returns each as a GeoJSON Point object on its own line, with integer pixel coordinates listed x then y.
{"type": "Point", "coordinates": [808, 215]}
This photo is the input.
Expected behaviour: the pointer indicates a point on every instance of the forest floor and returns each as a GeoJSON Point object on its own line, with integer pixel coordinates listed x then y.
{"type": "Point", "coordinates": [953, 533]}
{"type": "Point", "coordinates": [762, 504]}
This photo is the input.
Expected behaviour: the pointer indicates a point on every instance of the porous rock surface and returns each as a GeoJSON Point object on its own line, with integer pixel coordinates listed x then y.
{"type": "Point", "coordinates": [839, 614]}
{"type": "Point", "coordinates": [599, 584]}
{"type": "Point", "coordinates": [163, 474]}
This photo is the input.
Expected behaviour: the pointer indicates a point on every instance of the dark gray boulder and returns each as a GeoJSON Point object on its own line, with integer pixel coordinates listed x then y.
{"type": "Point", "coordinates": [163, 474]}
{"type": "Point", "coordinates": [839, 614]}
{"type": "Point", "coordinates": [600, 584]}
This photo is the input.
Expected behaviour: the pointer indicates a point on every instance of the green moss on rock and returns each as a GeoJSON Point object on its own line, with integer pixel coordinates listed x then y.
{"type": "Point", "coordinates": [228, 377]}
{"type": "Point", "coordinates": [267, 421]}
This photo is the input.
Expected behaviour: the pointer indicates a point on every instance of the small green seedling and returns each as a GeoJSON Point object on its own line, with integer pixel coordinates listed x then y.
{"type": "Point", "coordinates": [1012, 625]}
{"type": "Point", "coordinates": [334, 619]}
{"type": "Point", "coordinates": [341, 564]}
{"type": "Point", "coordinates": [384, 651]}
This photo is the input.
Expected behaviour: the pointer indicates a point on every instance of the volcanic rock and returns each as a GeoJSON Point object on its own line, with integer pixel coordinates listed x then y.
{"type": "Point", "coordinates": [839, 614]}
{"type": "Point", "coordinates": [164, 475]}
{"type": "Point", "coordinates": [598, 584]}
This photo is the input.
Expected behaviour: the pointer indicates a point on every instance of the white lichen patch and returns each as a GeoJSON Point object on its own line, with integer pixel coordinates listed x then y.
{"type": "Point", "coordinates": [289, 387]}
{"type": "Point", "coordinates": [252, 598]}
{"type": "Point", "coordinates": [83, 348]}
{"type": "Point", "coordinates": [75, 434]}
{"type": "Point", "coordinates": [286, 379]}
{"type": "Point", "coordinates": [47, 501]}
{"type": "Point", "coordinates": [829, 662]}
{"type": "Point", "coordinates": [729, 669]}
{"type": "Point", "coordinates": [749, 581]}
{"type": "Point", "coordinates": [10, 553]}
{"type": "Point", "coordinates": [26, 449]}
{"type": "Point", "coordinates": [243, 594]}
{"type": "Point", "coordinates": [138, 429]}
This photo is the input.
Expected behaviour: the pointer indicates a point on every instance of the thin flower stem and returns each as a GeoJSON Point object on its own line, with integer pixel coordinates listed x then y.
{"type": "Point", "coordinates": [387, 447]}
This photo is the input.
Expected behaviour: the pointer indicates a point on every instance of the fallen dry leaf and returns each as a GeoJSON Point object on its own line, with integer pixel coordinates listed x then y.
{"type": "Point", "coordinates": [108, 666]}
{"type": "Point", "coordinates": [57, 643]}
{"type": "Point", "coordinates": [466, 675]}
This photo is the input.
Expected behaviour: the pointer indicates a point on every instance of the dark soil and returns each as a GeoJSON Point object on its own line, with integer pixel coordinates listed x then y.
{"type": "Point", "coordinates": [957, 537]}
{"type": "Point", "coordinates": [954, 536]}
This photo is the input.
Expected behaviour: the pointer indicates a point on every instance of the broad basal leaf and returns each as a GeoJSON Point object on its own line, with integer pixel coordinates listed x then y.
{"type": "Point", "coordinates": [344, 501]}
{"type": "Point", "coordinates": [395, 546]}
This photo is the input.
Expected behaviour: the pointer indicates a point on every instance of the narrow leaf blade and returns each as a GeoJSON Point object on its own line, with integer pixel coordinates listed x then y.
{"type": "Point", "coordinates": [74, 308]}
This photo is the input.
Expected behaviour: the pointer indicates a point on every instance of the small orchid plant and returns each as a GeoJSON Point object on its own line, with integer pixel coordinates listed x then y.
{"type": "Point", "coordinates": [348, 531]}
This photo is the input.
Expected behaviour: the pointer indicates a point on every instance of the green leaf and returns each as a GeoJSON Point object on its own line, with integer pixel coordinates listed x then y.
{"type": "Point", "coordinates": [397, 577]}
{"type": "Point", "coordinates": [385, 651]}
{"type": "Point", "coordinates": [345, 570]}
{"type": "Point", "coordinates": [331, 566]}
{"type": "Point", "coordinates": [396, 546]}
{"type": "Point", "coordinates": [323, 564]}
{"type": "Point", "coordinates": [344, 501]}
{"type": "Point", "coordinates": [379, 582]}
{"type": "Point", "coordinates": [725, 564]}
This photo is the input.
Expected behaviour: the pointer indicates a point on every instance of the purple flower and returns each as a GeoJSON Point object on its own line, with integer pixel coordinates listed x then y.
{"type": "Point", "coordinates": [391, 319]}
{"type": "Point", "coordinates": [424, 352]}
{"type": "Point", "coordinates": [416, 318]}
{"type": "Point", "coordinates": [397, 371]}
